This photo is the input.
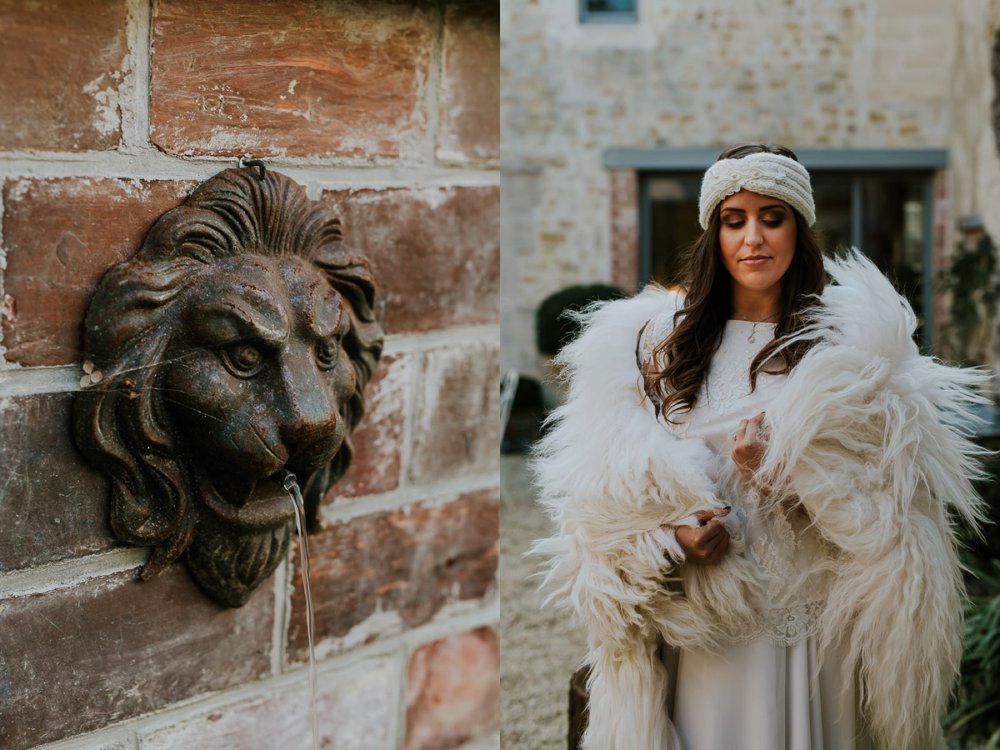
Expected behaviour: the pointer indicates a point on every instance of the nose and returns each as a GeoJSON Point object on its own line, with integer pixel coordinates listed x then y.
{"type": "Point", "coordinates": [753, 237]}
{"type": "Point", "coordinates": [310, 408]}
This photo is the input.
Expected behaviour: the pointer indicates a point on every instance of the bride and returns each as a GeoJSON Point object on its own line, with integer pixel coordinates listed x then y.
{"type": "Point", "coordinates": [753, 487]}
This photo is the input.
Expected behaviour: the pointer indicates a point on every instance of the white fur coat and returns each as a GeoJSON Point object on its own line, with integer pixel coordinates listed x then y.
{"type": "Point", "coordinates": [866, 432]}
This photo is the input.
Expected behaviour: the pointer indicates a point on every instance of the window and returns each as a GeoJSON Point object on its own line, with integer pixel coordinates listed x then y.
{"type": "Point", "coordinates": [608, 11]}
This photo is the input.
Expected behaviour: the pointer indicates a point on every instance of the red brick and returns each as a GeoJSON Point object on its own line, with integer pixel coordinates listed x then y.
{"type": "Point", "coordinates": [469, 103]}
{"type": "Point", "coordinates": [78, 658]}
{"type": "Point", "coordinates": [624, 230]}
{"type": "Point", "coordinates": [411, 562]}
{"type": "Point", "coordinates": [52, 505]}
{"type": "Point", "coordinates": [458, 413]}
{"type": "Point", "coordinates": [298, 78]}
{"type": "Point", "coordinates": [63, 64]}
{"type": "Point", "coordinates": [61, 236]}
{"type": "Point", "coordinates": [436, 251]}
{"type": "Point", "coordinates": [453, 691]}
{"type": "Point", "coordinates": [378, 440]}
{"type": "Point", "coordinates": [356, 710]}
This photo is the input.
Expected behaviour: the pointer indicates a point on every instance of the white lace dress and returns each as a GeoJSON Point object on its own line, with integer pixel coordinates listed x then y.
{"type": "Point", "coordinates": [768, 692]}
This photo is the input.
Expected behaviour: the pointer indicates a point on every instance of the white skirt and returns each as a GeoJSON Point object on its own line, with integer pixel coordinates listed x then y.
{"type": "Point", "coordinates": [762, 696]}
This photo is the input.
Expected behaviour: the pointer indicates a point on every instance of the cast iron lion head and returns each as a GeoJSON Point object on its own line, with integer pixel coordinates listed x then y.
{"type": "Point", "coordinates": [235, 346]}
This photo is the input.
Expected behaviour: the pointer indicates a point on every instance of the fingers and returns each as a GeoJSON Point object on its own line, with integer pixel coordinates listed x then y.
{"type": "Point", "coordinates": [718, 550]}
{"type": "Point", "coordinates": [713, 544]}
{"type": "Point", "coordinates": [705, 544]}
{"type": "Point", "coordinates": [710, 531]}
{"type": "Point", "coordinates": [704, 516]}
{"type": "Point", "coordinates": [751, 431]}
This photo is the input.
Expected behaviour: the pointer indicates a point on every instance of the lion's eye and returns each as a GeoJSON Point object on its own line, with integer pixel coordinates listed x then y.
{"type": "Point", "coordinates": [243, 360]}
{"type": "Point", "coordinates": [327, 352]}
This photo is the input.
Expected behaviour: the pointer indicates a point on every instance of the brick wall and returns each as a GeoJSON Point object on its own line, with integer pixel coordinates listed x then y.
{"type": "Point", "coordinates": [110, 112]}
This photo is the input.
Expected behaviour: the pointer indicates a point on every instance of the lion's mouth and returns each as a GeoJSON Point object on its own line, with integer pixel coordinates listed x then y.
{"type": "Point", "coordinates": [267, 505]}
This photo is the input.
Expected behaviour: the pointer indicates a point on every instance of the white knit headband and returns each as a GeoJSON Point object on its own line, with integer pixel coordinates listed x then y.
{"type": "Point", "coordinates": [768, 174]}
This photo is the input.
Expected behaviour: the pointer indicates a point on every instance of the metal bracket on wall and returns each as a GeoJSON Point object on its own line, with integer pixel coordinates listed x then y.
{"type": "Point", "coordinates": [233, 347]}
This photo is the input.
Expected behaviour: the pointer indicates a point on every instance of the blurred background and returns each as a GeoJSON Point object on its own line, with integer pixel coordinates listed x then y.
{"type": "Point", "coordinates": [610, 112]}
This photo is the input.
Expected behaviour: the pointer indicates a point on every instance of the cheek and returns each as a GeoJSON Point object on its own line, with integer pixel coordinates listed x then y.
{"type": "Point", "coordinates": [344, 379]}
{"type": "Point", "coordinates": [784, 243]}
{"type": "Point", "coordinates": [211, 407]}
{"type": "Point", "coordinates": [729, 245]}
{"type": "Point", "coordinates": [200, 388]}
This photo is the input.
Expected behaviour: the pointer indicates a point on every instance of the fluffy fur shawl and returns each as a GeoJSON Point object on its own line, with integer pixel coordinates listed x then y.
{"type": "Point", "coordinates": [866, 432]}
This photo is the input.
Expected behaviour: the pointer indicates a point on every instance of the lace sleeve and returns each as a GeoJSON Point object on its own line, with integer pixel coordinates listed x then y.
{"type": "Point", "coordinates": [652, 333]}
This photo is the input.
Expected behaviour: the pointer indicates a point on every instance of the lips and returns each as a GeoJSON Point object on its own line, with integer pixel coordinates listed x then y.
{"type": "Point", "coordinates": [755, 260]}
{"type": "Point", "coordinates": [268, 506]}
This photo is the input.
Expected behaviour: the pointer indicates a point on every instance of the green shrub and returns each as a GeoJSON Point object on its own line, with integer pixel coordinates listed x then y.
{"type": "Point", "coordinates": [974, 717]}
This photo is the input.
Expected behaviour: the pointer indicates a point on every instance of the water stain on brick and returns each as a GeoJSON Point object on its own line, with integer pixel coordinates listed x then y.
{"type": "Point", "coordinates": [52, 505]}
{"type": "Point", "coordinates": [436, 251]}
{"type": "Point", "coordinates": [337, 79]}
{"type": "Point", "coordinates": [61, 236]}
{"type": "Point", "coordinates": [81, 657]}
{"type": "Point", "coordinates": [469, 106]}
{"type": "Point", "coordinates": [453, 690]}
{"type": "Point", "coordinates": [376, 464]}
{"type": "Point", "coordinates": [63, 64]}
{"type": "Point", "coordinates": [996, 89]}
{"type": "Point", "coordinates": [410, 562]}
{"type": "Point", "coordinates": [457, 415]}
{"type": "Point", "coordinates": [356, 711]}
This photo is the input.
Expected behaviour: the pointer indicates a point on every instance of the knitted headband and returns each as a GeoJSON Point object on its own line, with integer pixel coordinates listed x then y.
{"type": "Point", "coordinates": [768, 174]}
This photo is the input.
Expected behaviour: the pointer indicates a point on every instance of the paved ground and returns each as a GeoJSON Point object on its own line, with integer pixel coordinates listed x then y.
{"type": "Point", "coordinates": [540, 649]}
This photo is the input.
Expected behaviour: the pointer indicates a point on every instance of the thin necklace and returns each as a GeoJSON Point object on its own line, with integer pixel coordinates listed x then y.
{"type": "Point", "coordinates": [752, 338]}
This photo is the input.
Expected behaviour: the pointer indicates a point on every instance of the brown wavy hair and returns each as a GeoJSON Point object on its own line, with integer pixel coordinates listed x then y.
{"type": "Point", "coordinates": [687, 352]}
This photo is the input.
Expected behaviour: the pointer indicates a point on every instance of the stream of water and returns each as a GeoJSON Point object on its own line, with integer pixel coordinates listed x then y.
{"type": "Point", "coordinates": [292, 486]}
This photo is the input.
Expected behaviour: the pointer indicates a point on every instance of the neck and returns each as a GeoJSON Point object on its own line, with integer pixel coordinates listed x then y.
{"type": "Point", "coordinates": [757, 307]}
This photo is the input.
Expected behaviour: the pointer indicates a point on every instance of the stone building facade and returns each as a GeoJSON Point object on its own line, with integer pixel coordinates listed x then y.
{"type": "Point", "coordinates": [825, 76]}
{"type": "Point", "coordinates": [111, 111]}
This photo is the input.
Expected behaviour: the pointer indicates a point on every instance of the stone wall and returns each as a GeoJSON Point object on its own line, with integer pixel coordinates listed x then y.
{"type": "Point", "coordinates": [111, 111]}
{"type": "Point", "coordinates": [707, 74]}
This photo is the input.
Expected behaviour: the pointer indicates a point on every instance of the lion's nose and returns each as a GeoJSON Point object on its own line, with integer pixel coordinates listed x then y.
{"type": "Point", "coordinates": [311, 411]}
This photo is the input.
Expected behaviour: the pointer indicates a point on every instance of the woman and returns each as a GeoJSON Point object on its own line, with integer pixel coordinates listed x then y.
{"type": "Point", "coordinates": [754, 523]}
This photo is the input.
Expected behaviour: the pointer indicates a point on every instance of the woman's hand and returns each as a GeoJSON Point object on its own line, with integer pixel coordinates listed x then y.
{"type": "Point", "coordinates": [748, 448]}
{"type": "Point", "coordinates": [707, 542]}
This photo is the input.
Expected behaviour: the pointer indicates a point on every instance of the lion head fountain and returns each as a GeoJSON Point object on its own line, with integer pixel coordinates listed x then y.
{"type": "Point", "coordinates": [235, 347]}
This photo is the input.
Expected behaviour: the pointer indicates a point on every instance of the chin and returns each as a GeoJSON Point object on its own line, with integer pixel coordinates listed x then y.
{"type": "Point", "coordinates": [230, 565]}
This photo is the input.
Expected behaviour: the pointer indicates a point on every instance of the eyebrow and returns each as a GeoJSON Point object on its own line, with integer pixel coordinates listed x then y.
{"type": "Point", "coordinates": [230, 319]}
{"type": "Point", "coordinates": [768, 207]}
{"type": "Point", "coordinates": [321, 302]}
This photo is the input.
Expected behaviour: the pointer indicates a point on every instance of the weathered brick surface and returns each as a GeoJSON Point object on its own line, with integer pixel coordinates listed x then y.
{"type": "Point", "coordinates": [436, 251]}
{"type": "Point", "coordinates": [302, 78]}
{"type": "Point", "coordinates": [52, 506]}
{"type": "Point", "coordinates": [457, 420]}
{"type": "Point", "coordinates": [624, 229]}
{"type": "Point", "coordinates": [995, 68]}
{"type": "Point", "coordinates": [63, 65]}
{"type": "Point", "coordinates": [61, 236]}
{"type": "Point", "coordinates": [453, 690]}
{"type": "Point", "coordinates": [409, 562]}
{"type": "Point", "coordinates": [469, 103]}
{"type": "Point", "coordinates": [378, 441]}
{"type": "Point", "coordinates": [356, 711]}
{"type": "Point", "coordinates": [81, 657]}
